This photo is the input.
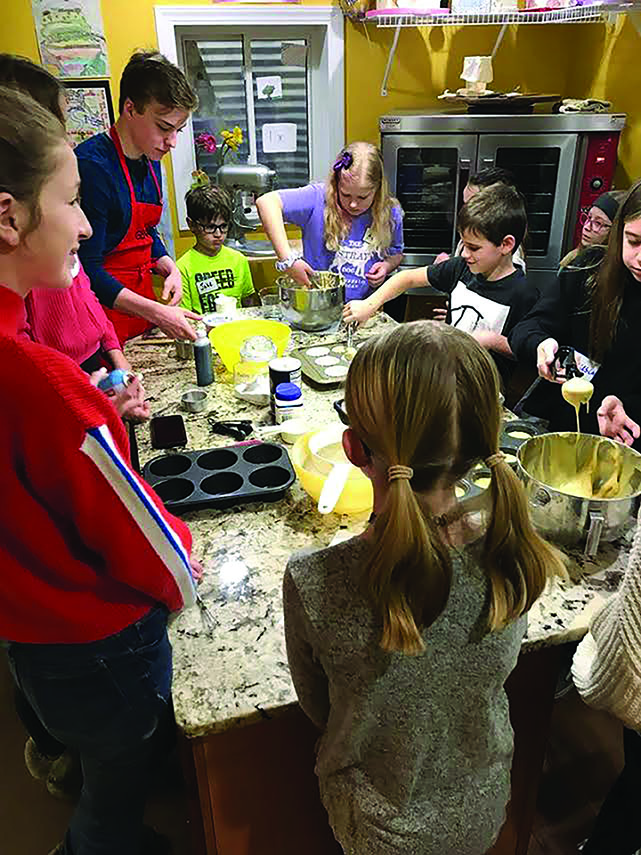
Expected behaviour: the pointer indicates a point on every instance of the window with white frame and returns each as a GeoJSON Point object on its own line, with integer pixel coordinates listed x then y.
{"type": "Point", "coordinates": [277, 74]}
{"type": "Point", "coordinates": [251, 84]}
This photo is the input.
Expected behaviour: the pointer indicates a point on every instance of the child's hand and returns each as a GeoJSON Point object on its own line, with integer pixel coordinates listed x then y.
{"type": "Point", "coordinates": [441, 257]}
{"type": "Point", "coordinates": [96, 376]}
{"type": "Point", "coordinates": [131, 404]}
{"type": "Point", "coordinates": [357, 311]}
{"type": "Point", "coordinates": [614, 422]}
{"type": "Point", "coordinates": [439, 313]}
{"type": "Point", "coordinates": [172, 289]}
{"type": "Point", "coordinates": [197, 569]}
{"type": "Point", "coordinates": [172, 320]}
{"type": "Point", "coordinates": [545, 356]}
{"type": "Point", "coordinates": [377, 273]}
{"type": "Point", "coordinates": [299, 271]}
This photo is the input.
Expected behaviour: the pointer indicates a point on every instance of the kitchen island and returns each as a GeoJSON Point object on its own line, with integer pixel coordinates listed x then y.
{"type": "Point", "coordinates": [247, 747]}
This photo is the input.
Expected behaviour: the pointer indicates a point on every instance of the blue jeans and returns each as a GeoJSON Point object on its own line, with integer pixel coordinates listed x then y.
{"type": "Point", "coordinates": [107, 700]}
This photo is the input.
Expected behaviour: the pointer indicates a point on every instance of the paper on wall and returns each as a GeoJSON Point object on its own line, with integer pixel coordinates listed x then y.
{"type": "Point", "coordinates": [293, 54]}
{"type": "Point", "coordinates": [269, 87]}
{"type": "Point", "coordinates": [71, 37]}
{"type": "Point", "coordinates": [279, 137]}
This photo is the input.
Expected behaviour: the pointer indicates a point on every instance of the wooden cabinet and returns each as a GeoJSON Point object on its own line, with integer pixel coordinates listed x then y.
{"type": "Point", "coordinates": [254, 791]}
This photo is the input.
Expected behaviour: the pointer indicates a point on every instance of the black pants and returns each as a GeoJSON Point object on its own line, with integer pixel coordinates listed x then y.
{"type": "Point", "coordinates": [618, 825]}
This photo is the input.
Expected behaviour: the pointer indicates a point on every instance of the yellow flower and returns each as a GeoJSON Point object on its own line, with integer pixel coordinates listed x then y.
{"type": "Point", "coordinates": [232, 139]}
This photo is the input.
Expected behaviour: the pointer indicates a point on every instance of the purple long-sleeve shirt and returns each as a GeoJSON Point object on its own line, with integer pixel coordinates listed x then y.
{"type": "Point", "coordinates": [305, 207]}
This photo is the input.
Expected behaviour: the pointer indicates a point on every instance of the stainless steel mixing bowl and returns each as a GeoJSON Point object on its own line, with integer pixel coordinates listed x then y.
{"type": "Point", "coordinates": [545, 462]}
{"type": "Point", "coordinates": [312, 309]}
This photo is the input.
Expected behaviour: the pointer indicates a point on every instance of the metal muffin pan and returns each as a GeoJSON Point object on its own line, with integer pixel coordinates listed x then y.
{"type": "Point", "coordinates": [317, 375]}
{"type": "Point", "coordinates": [510, 444]}
{"type": "Point", "coordinates": [221, 477]}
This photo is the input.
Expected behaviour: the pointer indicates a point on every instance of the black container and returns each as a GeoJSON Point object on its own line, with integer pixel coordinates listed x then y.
{"type": "Point", "coordinates": [221, 477]}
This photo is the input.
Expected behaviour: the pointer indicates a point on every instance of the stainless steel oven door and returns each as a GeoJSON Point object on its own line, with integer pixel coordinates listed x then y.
{"type": "Point", "coordinates": [544, 168]}
{"type": "Point", "coordinates": [427, 173]}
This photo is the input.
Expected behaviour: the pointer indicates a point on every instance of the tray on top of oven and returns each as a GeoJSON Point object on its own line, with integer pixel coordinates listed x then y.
{"type": "Point", "coordinates": [497, 102]}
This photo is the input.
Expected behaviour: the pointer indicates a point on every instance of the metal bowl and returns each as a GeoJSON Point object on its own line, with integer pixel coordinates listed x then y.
{"type": "Point", "coordinates": [194, 401]}
{"type": "Point", "coordinates": [545, 462]}
{"type": "Point", "coordinates": [312, 309]}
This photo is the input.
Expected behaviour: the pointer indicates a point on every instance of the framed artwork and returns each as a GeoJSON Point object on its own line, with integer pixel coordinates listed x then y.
{"type": "Point", "coordinates": [89, 109]}
{"type": "Point", "coordinates": [71, 37]}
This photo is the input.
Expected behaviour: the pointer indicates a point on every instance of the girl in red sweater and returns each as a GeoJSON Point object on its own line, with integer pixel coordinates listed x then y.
{"type": "Point", "coordinates": [91, 562]}
{"type": "Point", "coordinates": [71, 321]}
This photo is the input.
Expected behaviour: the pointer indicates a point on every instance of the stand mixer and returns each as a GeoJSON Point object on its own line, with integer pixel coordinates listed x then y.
{"type": "Point", "coordinates": [246, 181]}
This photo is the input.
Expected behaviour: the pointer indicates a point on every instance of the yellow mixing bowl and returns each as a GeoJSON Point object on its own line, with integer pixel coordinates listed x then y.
{"type": "Point", "coordinates": [357, 496]}
{"type": "Point", "coordinates": [228, 339]}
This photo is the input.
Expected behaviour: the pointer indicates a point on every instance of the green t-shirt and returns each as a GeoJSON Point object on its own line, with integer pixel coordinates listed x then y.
{"type": "Point", "coordinates": [206, 277]}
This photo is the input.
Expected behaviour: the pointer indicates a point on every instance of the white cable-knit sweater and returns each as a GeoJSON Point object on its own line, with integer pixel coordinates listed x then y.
{"type": "Point", "coordinates": [607, 664]}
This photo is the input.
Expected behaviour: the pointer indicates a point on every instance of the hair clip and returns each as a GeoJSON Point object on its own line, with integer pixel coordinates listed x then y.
{"type": "Point", "coordinates": [343, 161]}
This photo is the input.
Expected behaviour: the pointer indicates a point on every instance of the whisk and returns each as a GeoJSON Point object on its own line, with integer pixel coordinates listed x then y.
{"type": "Point", "coordinates": [209, 621]}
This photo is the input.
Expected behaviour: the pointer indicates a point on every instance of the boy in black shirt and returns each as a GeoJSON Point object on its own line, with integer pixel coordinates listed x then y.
{"type": "Point", "coordinates": [488, 294]}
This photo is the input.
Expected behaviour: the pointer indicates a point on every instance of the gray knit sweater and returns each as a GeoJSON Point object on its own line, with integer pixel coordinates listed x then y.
{"type": "Point", "coordinates": [416, 750]}
{"type": "Point", "coordinates": [607, 664]}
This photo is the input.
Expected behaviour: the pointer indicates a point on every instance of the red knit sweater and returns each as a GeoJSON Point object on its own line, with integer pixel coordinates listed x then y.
{"type": "Point", "coordinates": [70, 320]}
{"type": "Point", "coordinates": [86, 547]}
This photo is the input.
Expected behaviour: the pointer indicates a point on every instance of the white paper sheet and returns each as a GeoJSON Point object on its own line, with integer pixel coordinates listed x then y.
{"type": "Point", "coordinates": [279, 137]}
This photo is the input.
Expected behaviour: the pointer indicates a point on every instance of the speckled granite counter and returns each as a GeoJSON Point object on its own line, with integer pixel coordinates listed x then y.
{"type": "Point", "coordinates": [239, 673]}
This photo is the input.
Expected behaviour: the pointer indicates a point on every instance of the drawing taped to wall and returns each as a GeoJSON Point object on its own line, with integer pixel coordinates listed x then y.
{"type": "Point", "coordinates": [89, 109]}
{"type": "Point", "coordinates": [71, 37]}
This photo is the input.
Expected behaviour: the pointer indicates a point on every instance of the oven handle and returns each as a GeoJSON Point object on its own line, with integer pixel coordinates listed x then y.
{"type": "Point", "coordinates": [464, 170]}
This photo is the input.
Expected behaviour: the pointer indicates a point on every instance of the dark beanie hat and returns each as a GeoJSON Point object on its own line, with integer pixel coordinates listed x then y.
{"type": "Point", "coordinates": [608, 204]}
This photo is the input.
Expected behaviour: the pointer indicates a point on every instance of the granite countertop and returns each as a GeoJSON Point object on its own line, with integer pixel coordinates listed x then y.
{"type": "Point", "coordinates": [237, 673]}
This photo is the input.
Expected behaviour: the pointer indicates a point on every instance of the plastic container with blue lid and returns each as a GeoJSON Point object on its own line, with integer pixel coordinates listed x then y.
{"type": "Point", "coordinates": [288, 402]}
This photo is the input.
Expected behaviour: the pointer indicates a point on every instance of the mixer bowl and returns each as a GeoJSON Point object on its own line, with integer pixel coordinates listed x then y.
{"type": "Point", "coordinates": [357, 496]}
{"type": "Point", "coordinates": [228, 338]}
{"type": "Point", "coordinates": [312, 309]}
{"type": "Point", "coordinates": [544, 462]}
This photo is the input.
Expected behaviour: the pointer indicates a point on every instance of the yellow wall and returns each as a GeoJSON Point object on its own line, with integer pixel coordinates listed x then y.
{"type": "Point", "coordinates": [607, 67]}
{"type": "Point", "coordinates": [571, 60]}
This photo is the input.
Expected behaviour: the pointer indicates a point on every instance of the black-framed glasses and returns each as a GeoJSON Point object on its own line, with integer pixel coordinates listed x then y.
{"type": "Point", "coordinates": [212, 229]}
{"type": "Point", "coordinates": [339, 406]}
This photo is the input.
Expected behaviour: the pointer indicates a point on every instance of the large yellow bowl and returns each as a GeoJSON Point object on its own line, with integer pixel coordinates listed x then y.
{"type": "Point", "coordinates": [228, 339]}
{"type": "Point", "coordinates": [357, 496]}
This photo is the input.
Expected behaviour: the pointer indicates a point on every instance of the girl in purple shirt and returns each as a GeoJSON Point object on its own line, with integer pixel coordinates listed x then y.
{"type": "Point", "coordinates": [351, 224]}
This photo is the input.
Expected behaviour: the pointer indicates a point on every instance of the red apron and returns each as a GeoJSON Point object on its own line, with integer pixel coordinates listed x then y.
{"type": "Point", "coordinates": [130, 262]}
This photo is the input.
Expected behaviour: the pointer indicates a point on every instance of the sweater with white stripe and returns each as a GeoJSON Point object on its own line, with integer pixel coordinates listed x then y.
{"type": "Point", "coordinates": [607, 664]}
{"type": "Point", "coordinates": [86, 546]}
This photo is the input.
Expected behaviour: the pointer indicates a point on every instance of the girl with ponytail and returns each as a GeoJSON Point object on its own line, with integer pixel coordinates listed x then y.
{"type": "Point", "coordinates": [400, 640]}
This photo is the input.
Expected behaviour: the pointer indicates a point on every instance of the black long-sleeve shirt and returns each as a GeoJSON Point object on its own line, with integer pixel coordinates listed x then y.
{"type": "Point", "coordinates": [563, 313]}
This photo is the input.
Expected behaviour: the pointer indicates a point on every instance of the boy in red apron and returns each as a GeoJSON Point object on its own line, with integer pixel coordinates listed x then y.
{"type": "Point", "coordinates": [122, 198]}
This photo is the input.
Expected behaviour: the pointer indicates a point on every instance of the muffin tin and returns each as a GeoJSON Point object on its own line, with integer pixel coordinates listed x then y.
{"type": "Point", "coordinates": [332, 369]}
{"type": "Point", "coordinates": [515, 433]}
{"type": "Point", "coordinates": [221, 477]}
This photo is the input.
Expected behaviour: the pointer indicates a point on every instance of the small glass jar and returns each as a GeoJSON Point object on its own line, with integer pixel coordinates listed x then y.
{"type": "Point", "coordinates": [251, 373]}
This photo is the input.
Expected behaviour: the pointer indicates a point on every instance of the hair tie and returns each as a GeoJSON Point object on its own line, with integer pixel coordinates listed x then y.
{"type": "Point", "coordinates": [494, 459]}
{"type": "Point", "coordinates": [343, 161]}
{"type": "Point", "coordinates": [398, 472]}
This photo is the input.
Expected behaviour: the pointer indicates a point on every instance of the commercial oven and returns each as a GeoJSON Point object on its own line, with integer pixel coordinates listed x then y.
{"type": "Point", "coordinates": [561, 163]}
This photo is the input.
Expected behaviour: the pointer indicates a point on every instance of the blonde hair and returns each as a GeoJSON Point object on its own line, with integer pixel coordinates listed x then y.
{"type": "Point", "coordinates": [426, 395]}
{"type": "Point", "coordinates": [366, 165]}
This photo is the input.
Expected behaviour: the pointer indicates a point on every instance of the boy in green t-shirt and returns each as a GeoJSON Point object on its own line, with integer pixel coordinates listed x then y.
{"type": "Point", "coordinates": [210, 268]}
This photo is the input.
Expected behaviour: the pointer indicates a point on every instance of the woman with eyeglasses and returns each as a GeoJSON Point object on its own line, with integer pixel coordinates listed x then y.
{"type": "Point", "coordinates": [596, 224]}
{"type": "Point", "coordinates": [594, 308]}
{"type": "Point", "coordinates": [210, 269]}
